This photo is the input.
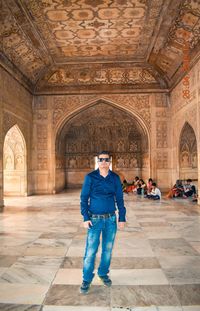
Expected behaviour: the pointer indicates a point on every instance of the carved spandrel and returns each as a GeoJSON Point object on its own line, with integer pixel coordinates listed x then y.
{"type": "Point", "coordinates": [65, 105]}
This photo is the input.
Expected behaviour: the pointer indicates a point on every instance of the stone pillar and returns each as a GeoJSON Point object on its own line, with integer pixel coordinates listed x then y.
{"type": "Point", "coordinates": [160, 141]}
{"type": "Point", "coordinates": [1, 149]}
{"type": "Point", "coordinates": [43, 158]}
{"type": "Point", "coordinates": [153, 156]}
{"type": "Point", "coordinates": [198, 140]}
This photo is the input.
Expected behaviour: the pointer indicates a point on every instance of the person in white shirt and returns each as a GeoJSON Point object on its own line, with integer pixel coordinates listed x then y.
{"type": "Point", "coordinates": [189, 189]}
{"type": "Point", "coordinates": [155, 193]}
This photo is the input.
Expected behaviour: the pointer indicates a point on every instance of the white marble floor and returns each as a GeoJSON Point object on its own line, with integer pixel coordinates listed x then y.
{"type": "Point", "coordinates": [155, 265]}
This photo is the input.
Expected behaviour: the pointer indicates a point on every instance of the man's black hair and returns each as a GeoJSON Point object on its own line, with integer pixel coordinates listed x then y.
{"type": "Point", "coordinates": [103, 152]}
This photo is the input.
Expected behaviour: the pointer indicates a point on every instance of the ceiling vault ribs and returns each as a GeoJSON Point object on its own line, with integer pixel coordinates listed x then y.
{"type": "Point", "coordinates": [100, 46]}
{"type": "Point", "coordinates": [167, 4]}
{"type": "Point", "coordinates": [44, 50]}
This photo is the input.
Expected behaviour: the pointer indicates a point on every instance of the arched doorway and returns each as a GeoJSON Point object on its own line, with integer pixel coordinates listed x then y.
{"type": "Point", "coordinates": [101, 127]}
{"type": "Point", "coordinates": [188, 153]}
{"type": "Point", "coordinates": [14, 163]}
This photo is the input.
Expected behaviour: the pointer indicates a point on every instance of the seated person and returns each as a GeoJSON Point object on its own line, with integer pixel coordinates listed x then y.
{"type": "Point", "coordinates": [127, 187]}
{"type": "Point", "coordinates": [176, 191]}
{"type": "Point", "coordinates": [149, 185]}
{"type": "Point", "coordinates": [135, 183]}
{"type": "Point", "coordinates": [141, 187]}
{"type": "Point", "coordinates": [189, 189]}
{"type": "Point", "coordinates": [155, 193]}
{"type": "Point", "coordinates": [124, 185]}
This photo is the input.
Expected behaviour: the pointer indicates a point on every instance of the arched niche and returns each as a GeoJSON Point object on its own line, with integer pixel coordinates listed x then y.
{"type": "Point", "coordinates": [101, 126]}
{"type": "Point", "coordinates": [188, 153]}
{"type": "Point", "coordinates": [14, 163]}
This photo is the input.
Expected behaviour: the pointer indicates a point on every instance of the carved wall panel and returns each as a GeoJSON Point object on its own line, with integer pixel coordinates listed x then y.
{"type": "Point", "coordinates": [162, 159]}
{"type": "Point", "coordinates": [161, 134]}
{"type": "Point", "coordinates": [42, 137]}
{"type": "Point", "coordinates": [161, 100]}
{"type": "Point", "coordinates": [41, 161]}
{"type": "Point", "coordinates": [188, 148]}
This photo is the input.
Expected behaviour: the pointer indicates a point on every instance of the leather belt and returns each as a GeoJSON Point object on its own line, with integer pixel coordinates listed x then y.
{"type": "Point", "coordinates": [104, 216]}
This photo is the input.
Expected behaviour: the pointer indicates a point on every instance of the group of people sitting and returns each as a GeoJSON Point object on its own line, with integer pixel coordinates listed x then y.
{"type": "Point", "coordinates": [151, 191]}
{"type": "Point", "coordinates": [148, 190]}
{"type": "Point", "coordinates": [182, 190]}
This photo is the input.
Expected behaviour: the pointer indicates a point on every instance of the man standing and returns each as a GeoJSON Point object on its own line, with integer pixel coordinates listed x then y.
{"type": "Point", "coordinates": [101, 189]}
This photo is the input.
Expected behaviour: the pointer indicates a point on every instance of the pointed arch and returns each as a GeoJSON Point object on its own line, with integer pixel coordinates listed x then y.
{"type": "Point", "coordinates": [77, 162]}
{"type": "Point", "coordinates": [188, 153]}
{"type": "Point", "coordinates": [15, 162]}
{"type": "Point", "coordinates": [133, 113]}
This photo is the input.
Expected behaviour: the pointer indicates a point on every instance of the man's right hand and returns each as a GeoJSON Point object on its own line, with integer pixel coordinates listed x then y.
{"type": "Point", "coordinates": [87, 224]}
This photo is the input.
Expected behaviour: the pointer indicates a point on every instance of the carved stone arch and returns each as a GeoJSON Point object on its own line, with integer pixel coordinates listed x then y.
{"type": "Point", "coordinates": [10, 120]}
{"type": "Point", "coordinates": [75, 154]}
{"type": "Point", "coordinates": [188, 153]}
{"type": "Point", "coordinates": [181, 126]}
{"type": "Point", "coordinates": [66, 116]}
{"type": "Point", "coordinates": [14, 162]}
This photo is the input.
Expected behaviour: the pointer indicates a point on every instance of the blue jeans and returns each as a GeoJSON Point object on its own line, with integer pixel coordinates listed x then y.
{"type": "Point", "coordinates": [107, 227]}
{"type": "Point", "coordinates": [153, 197]}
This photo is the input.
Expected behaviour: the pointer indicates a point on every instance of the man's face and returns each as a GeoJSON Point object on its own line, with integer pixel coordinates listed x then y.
{"type": "Point", "coordinates": [104, 161]}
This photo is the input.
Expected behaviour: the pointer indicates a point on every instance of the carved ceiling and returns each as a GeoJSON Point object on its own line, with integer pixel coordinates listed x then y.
{"type": "Point", "coordinates": [91, 45]}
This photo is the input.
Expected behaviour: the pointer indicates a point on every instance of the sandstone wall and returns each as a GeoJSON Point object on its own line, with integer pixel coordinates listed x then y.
{"type": "Point", "coordinates": [51, 113]}
{"type": "Point", "coordinates": [185, 107]}
{"type": "Point", "coordinates": [15, 109]}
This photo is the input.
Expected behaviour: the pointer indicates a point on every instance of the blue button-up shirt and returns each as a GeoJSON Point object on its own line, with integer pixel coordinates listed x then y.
{"type": "Point", "coordinates": [100, 194]}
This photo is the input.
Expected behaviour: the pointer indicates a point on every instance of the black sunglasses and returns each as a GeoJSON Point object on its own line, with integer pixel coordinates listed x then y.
{"type": "Point", "coordinates": [103, 159]}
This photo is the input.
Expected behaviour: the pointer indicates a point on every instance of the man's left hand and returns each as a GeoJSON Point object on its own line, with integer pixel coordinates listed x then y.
{"type": "Point", "coordinates": [121, 225]}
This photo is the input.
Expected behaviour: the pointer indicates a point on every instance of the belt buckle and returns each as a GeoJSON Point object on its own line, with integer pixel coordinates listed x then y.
{"type": "Point", "coordinates": [104, 216]}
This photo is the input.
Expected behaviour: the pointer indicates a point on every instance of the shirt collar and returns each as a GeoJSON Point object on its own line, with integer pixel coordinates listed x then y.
{"type": "Point", "coordinates": [109, 172]}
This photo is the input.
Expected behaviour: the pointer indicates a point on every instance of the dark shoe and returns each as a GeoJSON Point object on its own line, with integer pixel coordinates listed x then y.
{"type": "Point", "coordinates": [105, 280]}
{"type": "Point", "coordinates": [84, 289]}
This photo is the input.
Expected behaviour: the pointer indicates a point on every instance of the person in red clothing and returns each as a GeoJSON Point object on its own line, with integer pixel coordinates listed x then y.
{"type": "Point", "coordinates": [149, 185]}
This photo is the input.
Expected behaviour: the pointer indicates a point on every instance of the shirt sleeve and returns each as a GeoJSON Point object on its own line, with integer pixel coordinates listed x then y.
{"type": "Point", "coordinates": [157, 192]}
{"type": "Point", "coordinates": [120, 200]}
{"type": "Point", "coordinates": [85, 194]}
